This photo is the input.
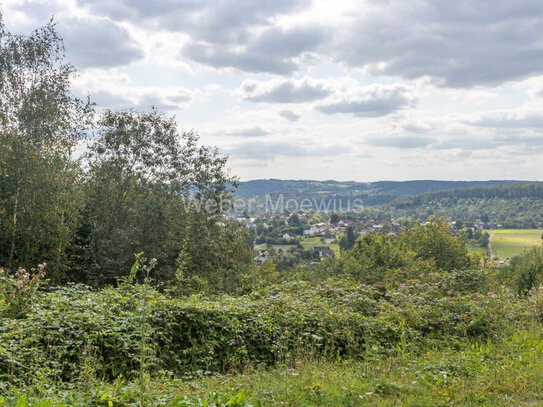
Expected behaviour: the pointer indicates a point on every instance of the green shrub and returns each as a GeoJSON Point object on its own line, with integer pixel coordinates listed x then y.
{"type": "Point", "coordinates": [18, 290]}
{"type": "Point", "coordinates": [527, 270]}
{"type": "Point", "coordinates": [280, 324]}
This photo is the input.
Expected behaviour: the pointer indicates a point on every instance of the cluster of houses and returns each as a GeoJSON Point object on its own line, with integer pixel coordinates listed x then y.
{"type": "Point", "coordinates": [483, 225]}
{"type": "Point", "coordinates": [323, 229]}
{"type": "Point", "coordinates": [329, 232]}
{"type": "Point", "coordinates": [322, 251]}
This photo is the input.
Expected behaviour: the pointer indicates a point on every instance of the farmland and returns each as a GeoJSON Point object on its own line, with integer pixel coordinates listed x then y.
{"type": "Point", "coordinates": [513, 242]}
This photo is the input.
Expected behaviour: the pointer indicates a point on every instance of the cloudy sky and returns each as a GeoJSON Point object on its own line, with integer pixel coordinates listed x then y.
{"type": "Point", "coordinates": [350, 90]}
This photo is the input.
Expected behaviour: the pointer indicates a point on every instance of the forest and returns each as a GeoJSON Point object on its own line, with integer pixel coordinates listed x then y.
{"type": "Point", "coordinates": [513, 206]}
{"type": "Point", "coordinates": [122, 283]}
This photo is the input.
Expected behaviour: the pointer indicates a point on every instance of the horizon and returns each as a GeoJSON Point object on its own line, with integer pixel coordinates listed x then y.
{"type": "Point", "coordinates": [389, 180]}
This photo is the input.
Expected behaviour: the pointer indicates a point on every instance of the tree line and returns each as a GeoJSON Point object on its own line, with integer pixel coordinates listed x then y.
{"type": "Point", "coordinates": [84, 190]}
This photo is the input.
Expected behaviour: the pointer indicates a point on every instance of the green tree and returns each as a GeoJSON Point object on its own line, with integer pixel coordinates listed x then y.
{"type": "Point", "coordinates": [434, 241]}
{"type": "Point", "coordinates": [348, 240]}
{"type": "Point", "coordinates": [294, 220]}
{"type": "Point", "coordinates": [527, 270]}
{"type": "Point", "coordinates": [40, 125]}
{"type": "Point", "coordinates": [147, 187]}
{"type": "Point", "coordinates": [484, 239]}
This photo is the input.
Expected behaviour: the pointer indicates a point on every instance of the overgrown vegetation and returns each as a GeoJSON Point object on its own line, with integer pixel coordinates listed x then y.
{"type": "Point", "coordinates": [391, 299]}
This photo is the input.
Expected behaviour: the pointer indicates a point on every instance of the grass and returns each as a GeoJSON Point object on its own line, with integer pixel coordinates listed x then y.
{"type": "Point", "coordinates": [510, 373]}
{"type": "Point", "coordinates": [513, 242]}
{"type": "Point", "coordinates": [474, 247]}
{"type": "Point", "coordinates": [309, 242]}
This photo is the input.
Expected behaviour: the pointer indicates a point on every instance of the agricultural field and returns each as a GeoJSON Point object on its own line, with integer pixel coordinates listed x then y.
{"type": "Point", "coordinates": [513, 242]}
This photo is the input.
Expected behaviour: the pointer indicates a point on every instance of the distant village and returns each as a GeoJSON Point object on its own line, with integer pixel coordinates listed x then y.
{"type": "Point", "coordinates": [310, 236]}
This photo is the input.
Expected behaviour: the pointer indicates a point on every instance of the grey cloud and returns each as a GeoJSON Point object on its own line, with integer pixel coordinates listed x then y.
{"type": "Point", "coordinates": [516, 139]}
{"type": "Point", "coordinates": [416, 128]}
{"type": "Point", "coordinates": [216, 21]}
{"type": "Point", "coordinates": [273, 51]}
{"type": "Point", "coordinates": [289, 43]}
{"type": "Point", "coordinates": [145, 101]}
{"type": "Point", "coordinates": [222, 33]}
{"type": "Point", "coordinates": [471, 142]}
{"type": "Point", "coordinates": [271, 150]}
{"type": "Point", "coordinates": [285, 92]}
{"type": "Point", "coordinates": [39, 10]}
{"type": "Point", "coordinates": [457, 44]}
{"type": "Point", "coordinates": [98, 42]}
{"type": "Point", "coordinates": [374, 102]}
{"type": "Point", "coordinates": [454, 43]}
{"type": "Point", "coordinates": [289, 115]}
{"type": "Point", "coordinates": [256, 131]}
{"type": "Point", "coordinates": [89, 41]}
{"type": "Point", "coordinates": [508, 121]}
{"type": "Point", "coordinates": [399, 141]}
{"type": "Point", "coordinates": [219, 57]}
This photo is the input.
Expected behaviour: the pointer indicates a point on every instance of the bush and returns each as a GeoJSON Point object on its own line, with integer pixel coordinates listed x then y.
{"type": "Point", "coordinates": [527, 270]}
{"type": "Point", "coordinates": [18, 290]}
{"type": "Point", "coordinates": [72, 328]}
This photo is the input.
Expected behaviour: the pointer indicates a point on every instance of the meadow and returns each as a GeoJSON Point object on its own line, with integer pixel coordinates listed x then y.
{"type": "Point", "coordinates": [309, 242]}
{"type": "Point", "coordinates": [474, 247]}
{"type": "Point", "coordinates": [513, 242]}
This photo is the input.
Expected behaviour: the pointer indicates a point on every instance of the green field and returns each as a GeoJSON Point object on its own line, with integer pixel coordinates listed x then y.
{"type": "Point", "coordinates": [474, 247]}
{"type": "Point", "coordinates": [309, 242]}
{"type": "Point", "coordinates": [512, 242]}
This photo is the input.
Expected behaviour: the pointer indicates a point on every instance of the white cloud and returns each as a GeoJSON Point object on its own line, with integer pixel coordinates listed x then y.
{"type": "Point", "coordinates": [317, 89]}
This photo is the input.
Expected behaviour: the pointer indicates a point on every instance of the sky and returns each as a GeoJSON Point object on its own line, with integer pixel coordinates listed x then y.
{"type": "Point", "coordinates": [361, 90]}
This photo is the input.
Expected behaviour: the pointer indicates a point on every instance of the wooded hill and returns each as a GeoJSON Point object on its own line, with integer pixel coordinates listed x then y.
{"type": "Point", "coordinates": [517, 205]}
{"type": "Point", "coordinates": [388, 190]}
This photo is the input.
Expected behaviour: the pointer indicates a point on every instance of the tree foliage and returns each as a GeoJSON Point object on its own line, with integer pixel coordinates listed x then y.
{"type": "Point", "coordinates": [40, 125]}
{"type": "Point", "coordinates": [148, 188]}
{"type": "Point", "coordinates": [141, 186]}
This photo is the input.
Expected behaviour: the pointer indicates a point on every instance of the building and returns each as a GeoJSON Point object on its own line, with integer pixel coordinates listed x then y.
{"type": "Point", "coordinates": [324, 252]}
{"type": "Point", "coordinates": [262, 257]}
{"type": "Point", "coordinates": [288, 237]}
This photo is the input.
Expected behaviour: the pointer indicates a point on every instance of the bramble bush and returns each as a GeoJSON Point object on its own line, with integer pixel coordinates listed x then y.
{"type": "Point", "coordinates": [338, 318]}
{"type": "Point", "coordinates": [18, 290]}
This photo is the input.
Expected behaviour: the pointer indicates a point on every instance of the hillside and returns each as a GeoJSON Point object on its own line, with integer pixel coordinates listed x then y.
{"type": "Point", "coordinates": [517, 205]}
{"type": "Point", "coordinates": [389, 190]}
